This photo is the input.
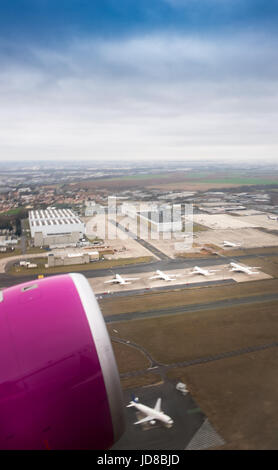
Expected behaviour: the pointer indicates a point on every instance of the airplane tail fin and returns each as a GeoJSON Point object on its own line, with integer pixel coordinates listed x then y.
{"type": "Point", "coordinates": [134, 400]}
{"type": "Point", "coordinates": [158, 405]}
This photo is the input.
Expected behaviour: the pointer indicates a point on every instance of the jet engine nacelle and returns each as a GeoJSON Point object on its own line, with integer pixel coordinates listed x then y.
{"type": "Point", "coordinates": [59, 383]}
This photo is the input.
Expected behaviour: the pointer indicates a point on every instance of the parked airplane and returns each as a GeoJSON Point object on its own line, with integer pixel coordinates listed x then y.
{"type": "Point", "coordinates": [231, 244]}
{"type": "Point", "coordinates": [153, 414]}
{"type": "Point", "coordinates": [204, 272]}
{"type": "Point", "coordinates": [164, 277]}
{"type": "Point", "coordinates": [273, 217]}
{"type": "Point", "coordinates": [120, 280]}
{"type": "Point", "coordinates": [244, 269]}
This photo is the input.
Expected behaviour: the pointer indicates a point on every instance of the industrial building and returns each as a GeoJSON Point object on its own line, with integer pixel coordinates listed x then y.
{"type": "Point", "coordinates": [162, 220]}
{"type": "Point", "coordinates": [158, 217]}
{"type": "Point", "coordinates": [54, 227]}
{"type": "Point", "coordinates": [133, 208]}
{"type": "Point", "coordinates": [71, 259]}
{"type": "Point", "coordinates": [93, 208]}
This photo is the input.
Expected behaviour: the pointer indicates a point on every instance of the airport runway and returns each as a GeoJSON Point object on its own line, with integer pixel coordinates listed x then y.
{"type": "Point", "coordinates": [7, 280]}
{"type": "Point", "coordinates": [190, 308]}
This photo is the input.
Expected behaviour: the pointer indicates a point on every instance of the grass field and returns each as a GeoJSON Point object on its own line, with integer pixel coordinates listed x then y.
{"type": "Point", "coordinates": [194, 295]}
{"type": "Point", "coordinates": [199, 228]}
{"type": "Point", "coordinates": [188, 177]}
{"type": "Point", "coordinates": [203, 254]}
{"type": "Point", "coordinates": [139, 176]}
{"type": "Point", "coordinates": [241, 181]}
{"type": "Point", "coordinates": [136, 359]}
{"type": "Point", "coordinates": [179, 181]}
{"type": "Point", "coordinates": [237, 394]}
{"type": "Point", "coordinates": [35, 250]}
{"type": "Point", "coordinates": [185, 337]}
{"type": "Point", "coordinates": [239, 397]}
{"type": "Point", "coordinates": [15, 252]}
{"type": "Point", "coordinates": [141, 381]}
{"type": "Point", "coordinates": [12, 211]}
{"type": "Point", "coordinates": [106, 264]}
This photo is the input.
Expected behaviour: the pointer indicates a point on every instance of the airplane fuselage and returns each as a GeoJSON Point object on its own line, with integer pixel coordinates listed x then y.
{"type": "Point", "coordinates": [198, 270]}
{"type": "Point", "coordinates": [231, 244]}
{"type": "Point", "coordinates": [156, 415]}
{"type": "Point", "coordinates": [164, 276]}
{"type": "Point", "coordinates": [243, 269]}
{"type": "Point", "coordinates": [120, 279]}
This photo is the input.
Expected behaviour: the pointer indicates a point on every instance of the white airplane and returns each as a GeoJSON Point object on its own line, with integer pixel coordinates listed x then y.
{"type": "Point", "coordinates": [204, 272]}
{"type": "Point", "coordinates": [153, 414]}
{"type": "Point", "coordinates": [120, 280]}
{"type": "Point", "coordinates": [273, 217]}
{"type": "Point", "coordinates": [164, 277]}
{"type": "Point", "coordinates": [231, 244]}
{"type": "Point", "coordinates": [244, 269]}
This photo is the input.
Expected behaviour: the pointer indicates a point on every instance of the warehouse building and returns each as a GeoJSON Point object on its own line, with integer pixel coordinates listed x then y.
{"type": "Point", "coordinates": [158, 217]}
{"type": "Point", "coordinates": [162, 220]}
{"type": "Point", "coordinates": [53, 227]}
{"type": "Point", "coordinates": [71, 259]}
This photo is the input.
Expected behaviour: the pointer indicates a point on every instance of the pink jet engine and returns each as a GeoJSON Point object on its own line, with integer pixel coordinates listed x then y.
{"type": "Point", "coordinates": [59, 383]}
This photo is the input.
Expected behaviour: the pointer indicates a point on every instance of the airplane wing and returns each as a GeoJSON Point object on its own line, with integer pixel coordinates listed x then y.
{"type": "Point", "coordinates": [144, 420]}
{"type": "Point", "coordinates": [158, 405]}
{"type": "Point", "coordinates": [155, 277]}
{"type": "Point", "coordinates": [112, 280]}
{"type": "Point", "coordinates": [131, 278]}
{"type": "Point", "coordinates": [130, 404]}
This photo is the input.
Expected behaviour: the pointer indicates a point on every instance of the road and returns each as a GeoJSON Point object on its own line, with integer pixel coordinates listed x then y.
{"type": "Point", "coordinates": [7, 280]}
{"type": "Point", "coordinates": [161, 369]}
{"type": "Point", "coordinates": [5, 262]}
{"type": "Point", "coordinates": [155, 251]}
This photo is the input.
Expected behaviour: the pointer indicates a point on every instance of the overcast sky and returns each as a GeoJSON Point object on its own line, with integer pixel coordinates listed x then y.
{"type": "Point", "coordinates": [139, 79]}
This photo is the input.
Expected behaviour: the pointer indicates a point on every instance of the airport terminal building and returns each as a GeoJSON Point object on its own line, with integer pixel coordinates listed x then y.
{"type": "Point", "coordinates": [54, 227]}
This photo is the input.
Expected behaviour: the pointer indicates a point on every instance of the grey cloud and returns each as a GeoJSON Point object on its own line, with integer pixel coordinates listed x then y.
{"type": "Point", "coordinates": [162, 95]}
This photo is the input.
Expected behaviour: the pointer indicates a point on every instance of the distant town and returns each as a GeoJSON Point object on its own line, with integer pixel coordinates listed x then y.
{"type": "Point", "coordinates": [35, 187]}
